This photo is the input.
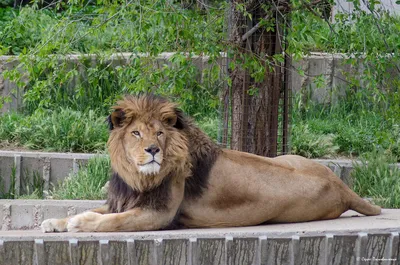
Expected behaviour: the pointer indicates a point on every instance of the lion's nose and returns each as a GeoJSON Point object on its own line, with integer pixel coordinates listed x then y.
{"type": "Point", "coordinates": [152, 149]}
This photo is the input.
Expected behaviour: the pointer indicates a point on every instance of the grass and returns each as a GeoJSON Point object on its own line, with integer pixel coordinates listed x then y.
{"type": "Point", "coordinates": [10, 194]}
{"type": "Point", "coordinates": [376, 177]}
{"type": "Point", "coordinates": [66, 130]}
{"type": "Point", "coordinates": [87, 183]}
{"type": "Point", "coordinates": [63, 130]}
{"type": "Point", "coordinates": [31, 187]}
{"type": "Point", "coordinates": [312, 144]}
{"type": "Point", "coordinates": [348, 129]}
{"type": "Point", "coordinates": [210, 126]}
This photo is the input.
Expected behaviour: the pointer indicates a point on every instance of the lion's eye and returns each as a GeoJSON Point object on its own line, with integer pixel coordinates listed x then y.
{"type": "Point", "coordinates": [159, 133]}
{"type": "Point", "coordinates": [136, 133]}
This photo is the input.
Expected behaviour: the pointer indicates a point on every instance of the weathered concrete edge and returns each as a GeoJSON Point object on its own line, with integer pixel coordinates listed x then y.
{"type": "Point", "coordinates": [54, 167]}
{"type": "Point", "coordinates": [297, 243]}
{"type": "Point", "coordinates": [29, 214]}
{"type": "Point", "coordinates": [293, 249]}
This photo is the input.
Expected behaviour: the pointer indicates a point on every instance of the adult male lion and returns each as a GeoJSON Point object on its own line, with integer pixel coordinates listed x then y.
{"type": "Point", "coordinates": [167, 172]}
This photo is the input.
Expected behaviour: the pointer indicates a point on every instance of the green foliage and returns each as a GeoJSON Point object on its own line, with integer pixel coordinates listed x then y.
{"type": "Point", "coordinates": [210, 126]}
{"type": "Point", "coordinates": [32, 186]}
{"type": "Point", "coordinates": [66, 130]}
{"type": "Point", "coordinates": [25, 29]}
{"type": "Point", "coordinates": [87, 183]}
{"type": "Point", "coordinates": [353, 126]}
{"type": "Point", "coordinates": [366, 117]}
{"type": "Point", "coordinates": [144, 29]}
{"type": "Point", "coordinates": [63, 130]}
{"type": "Point", "coordinates": [4, 3]}
{"type": "Point", "coordinates": [376, 177]}
{"type": "Point", "coordinates": [311, 145]}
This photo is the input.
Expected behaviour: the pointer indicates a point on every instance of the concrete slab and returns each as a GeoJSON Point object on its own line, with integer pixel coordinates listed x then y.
{"type": "Point", "coordinates": [350, 239]}
{"type": "Point", "coordinates": [349, 223]}
{"type": "Point", "coordinates": [347, 240]}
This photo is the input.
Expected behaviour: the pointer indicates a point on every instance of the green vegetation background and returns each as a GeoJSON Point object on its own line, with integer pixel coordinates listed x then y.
{"type": "Point", "coordinates": [65, 103]}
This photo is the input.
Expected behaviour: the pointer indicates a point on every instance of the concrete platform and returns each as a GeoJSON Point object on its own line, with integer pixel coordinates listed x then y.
{"type": "Point", "coordinates": [351, 239]}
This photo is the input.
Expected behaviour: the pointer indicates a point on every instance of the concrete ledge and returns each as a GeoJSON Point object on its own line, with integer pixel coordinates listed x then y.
{"type": "Point", "coordinates": [55, 167]}
{"type": "Point", "coordinates": [361, 248]}
{"type": "Point", "coordinates": [350, 239]}
{"type": "Point", "coordinates": [51, 167]}
{"type": "Point", "coordinates": [29, 214]}
{"type": "Point", "coordinates": [347, 240]}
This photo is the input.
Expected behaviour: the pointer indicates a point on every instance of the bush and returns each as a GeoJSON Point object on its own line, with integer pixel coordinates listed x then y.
{"type": "Point", "coordinates": [87, 183]}
{"type": "Point", "coordinates": [376, 177]}
{"type": "Point", "coordinates": [63, 130]}
{"type": "Point", "coordinates": [24, 30]}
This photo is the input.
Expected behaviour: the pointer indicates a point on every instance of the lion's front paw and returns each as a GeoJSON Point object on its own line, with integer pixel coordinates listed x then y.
{"type": "Point", "coordinates": [84, 222]}
{"type": "Point", "coordinates": [54, 225]}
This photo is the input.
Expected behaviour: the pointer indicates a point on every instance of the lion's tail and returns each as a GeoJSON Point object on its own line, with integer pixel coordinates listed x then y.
{"type": "Point", "coordinates": [362, 206]}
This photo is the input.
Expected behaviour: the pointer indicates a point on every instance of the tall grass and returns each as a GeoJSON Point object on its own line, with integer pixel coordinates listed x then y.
{"type": "Point", "coordinates": [311, 144]}
{"type": "Point", "coordinates": [87, 183]}
{"type": "Point", "coordinates": [354, 127]}
{"type": "Point", "coordinates": [376, 177]}
{"type": "Point", "coordinates": [61, 130]}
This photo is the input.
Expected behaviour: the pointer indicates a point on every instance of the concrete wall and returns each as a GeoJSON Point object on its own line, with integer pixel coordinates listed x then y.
{"type": "Point", "coordinates": [55, 167]}
{"type": "Point", "coordinates": [338, 249]}
{"type": "Point", "coordinates": [51, 167]}
{"type": "Point", "coordinates": [351, 239]}
{"type": "Point", "coordinates": [29, 214]}
{"type": "Point", "coordinates": [343, 6]}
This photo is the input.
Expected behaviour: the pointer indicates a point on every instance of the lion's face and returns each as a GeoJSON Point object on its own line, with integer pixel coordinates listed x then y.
{"type": "Point", "coordinates": [144, 144]}
{"type": "Point", "coordinates": [147, 141]}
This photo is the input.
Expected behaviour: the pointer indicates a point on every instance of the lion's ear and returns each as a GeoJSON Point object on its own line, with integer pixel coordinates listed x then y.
{"type": "Point", "coordinates": [180, 119]}
{"type": "Point", "coordinates": [116, 119]}
{"type": "Point", "coordinates": [176, 119]}
{"type": "Point", "coordinates": [170, 120]}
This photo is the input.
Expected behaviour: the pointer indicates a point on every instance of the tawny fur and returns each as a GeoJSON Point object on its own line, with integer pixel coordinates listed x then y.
{"type": "Point", "coordinates": [200, 184]}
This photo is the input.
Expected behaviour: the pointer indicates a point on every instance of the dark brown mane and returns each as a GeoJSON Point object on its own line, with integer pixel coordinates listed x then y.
{"type": "Point", "coordinates": [203, 152]}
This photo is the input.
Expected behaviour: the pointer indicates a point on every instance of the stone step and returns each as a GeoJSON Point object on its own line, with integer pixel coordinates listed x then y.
{"type": "Point", "coordinates": [350, 239]}
{"type": "Point", "coordinates": [200, 246]}
{"type": "Point", "coordinates": [55, 167]}
{"type": "Point", "coordinates": [29, 214]}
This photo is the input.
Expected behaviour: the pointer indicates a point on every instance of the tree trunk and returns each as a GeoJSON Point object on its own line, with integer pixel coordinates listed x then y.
{"type": "Point", "coordinates": [255, 105]}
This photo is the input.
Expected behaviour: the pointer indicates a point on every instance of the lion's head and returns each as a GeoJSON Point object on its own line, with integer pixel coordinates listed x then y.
{"type": "Point", "coordinates": [146, 142]}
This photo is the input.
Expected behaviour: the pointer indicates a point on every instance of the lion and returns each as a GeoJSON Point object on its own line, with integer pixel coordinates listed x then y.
{"type": "Point", "coordinates": [169, 174]}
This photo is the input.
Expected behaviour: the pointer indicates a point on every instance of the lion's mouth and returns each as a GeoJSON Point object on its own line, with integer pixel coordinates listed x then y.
{"type": "Point", "coordinates": [149, 163]}
{"type": "Point", "coordinates": [149, 168]}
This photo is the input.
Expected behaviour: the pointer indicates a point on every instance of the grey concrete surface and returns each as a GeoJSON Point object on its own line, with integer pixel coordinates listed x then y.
{"type": "Point", "coordinates": [51, 167]}
{"type": "Point", "coordinates": [55, 167]}
{"type": "Point", "coordinates": [347, 240]}
{"type": "Point", "coordinates": [29, 214]}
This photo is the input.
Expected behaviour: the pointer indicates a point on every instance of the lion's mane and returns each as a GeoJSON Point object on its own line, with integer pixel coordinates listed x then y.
{"type": "Point", "coordinates": [189, 155]}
